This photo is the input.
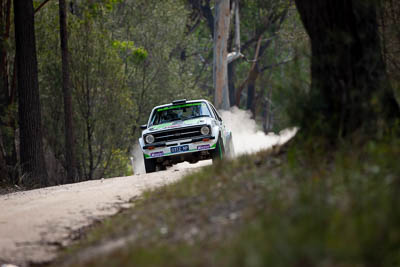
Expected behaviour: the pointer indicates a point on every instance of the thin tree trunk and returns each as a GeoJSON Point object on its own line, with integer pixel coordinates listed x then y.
{"type": "Point", "coordinates": [41, 6]}
{"type": "Point", "coordinates": [68, 122]}
{"type": "Point", "coordinates": [90, 150]}
{"type": "Point", "coordinates": [3, 162]}
{"type": "Point", "coordinates": [253, 66]}
{"type": "Point", "coordinates": [5, 10]}
{"type": "Point", "coordinates": [231, 83]}
{"type": "Point", "coordinates": [220, 67]}
{"type": "Point", "coordinates": [267, 116]}
{"type": "Point", "coordinates": [251, 90]}
{"type": "Point", "coordinates": [31, 144]}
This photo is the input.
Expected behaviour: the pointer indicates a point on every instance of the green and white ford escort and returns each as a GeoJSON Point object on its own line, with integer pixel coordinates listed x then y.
{"type": "Point", "coordinates": [184, 131]}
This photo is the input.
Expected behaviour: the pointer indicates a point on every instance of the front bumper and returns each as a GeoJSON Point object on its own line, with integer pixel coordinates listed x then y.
{"type": "Point", "coordinates": [162, 149]}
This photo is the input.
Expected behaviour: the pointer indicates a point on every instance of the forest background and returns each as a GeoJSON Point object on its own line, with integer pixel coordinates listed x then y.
{"type": "Point", "coordinates": [128, 56]}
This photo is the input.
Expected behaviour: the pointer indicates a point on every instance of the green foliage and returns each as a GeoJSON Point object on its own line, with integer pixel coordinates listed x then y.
{"type": "Point", "coordinates": [99, 8]}
{"type": "Point", "coordinates": [291, 88]}
{"type": "Point", "coordinates": [98, 93]}
{"type": "Point", "coordinates": [122, 63]}
{"type": "Point", "coordinates": [130, 52]}
{"type": "Point", "coordinates": [36, 3]}
{"type": "Point", "coordinates": [139, 55]}
{"type": "Point", "coordinates": [286, 77]}
{"type": "Point", "coordinates": [120, 164]}
{"type": "Point", "coordinates": [152, 31]}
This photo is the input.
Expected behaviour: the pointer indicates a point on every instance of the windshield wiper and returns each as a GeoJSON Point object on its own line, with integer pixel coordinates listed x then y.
{"type": "Point", "coordinates": [198, 116]}
{"type": "Point", "coordinates": [176, 119]}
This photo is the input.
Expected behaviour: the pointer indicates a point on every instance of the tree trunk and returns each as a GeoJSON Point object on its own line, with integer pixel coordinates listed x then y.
{"type": "Point", "coordinates": [3, 162]}
{"type": "Point", "coordinates": [3, 89]}
{"type": "Point", "coordinates": [90, 150]}
{"type": "Point", "coordinates": [220, 67]}
{"type": "Point", "coordinates": [68, 123]}
{"type": "Point", "coordinates": [251, 90]}
{"type": "Point", "coordinates": [31, 144]}
{"type": "Point", "coordinates": [349, 89]}
{"type": "Point", "coordinates": [267, 112]}
{"type": "Point", "coordinates": [4, 31]}
{"type": "Point", "coordinates": [231, 83]}
{"type": "Point", "coordinates": [7, 116]}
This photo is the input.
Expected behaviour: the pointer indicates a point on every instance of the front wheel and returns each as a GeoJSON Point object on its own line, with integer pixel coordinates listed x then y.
{"type": "Point", "coordinates": [219, 152]}
{"type": "Point", "coordinates": [150, 165]}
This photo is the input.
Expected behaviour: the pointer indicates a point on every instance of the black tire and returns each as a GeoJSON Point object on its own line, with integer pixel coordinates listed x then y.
{"type": "Point", "coordinates": [162, 167]}
{"type": "Point", "coordinates": [150, 165]}
{"type": "Point", "coordinates": [219, 152]}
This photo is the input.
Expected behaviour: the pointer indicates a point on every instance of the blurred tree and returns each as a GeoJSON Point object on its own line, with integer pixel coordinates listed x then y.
{"type": "Point", "coordinates": [172, 67]}
{"type": "Point", "coordinates": [266, 28]}
{"type": "Point", "coordinates": [349, 90]}
{"type": "Point", "coordinates": [102, 98]}
{"type": "Point", "coordinates": [258, 19]}
{"type": "Point", "coordinates": [68, 121]}
{"type": "Point", "coordinates": [220, 69]}
{"type": "Point", "coordinates": [31, 143]}
{"type": "Point", "coordinates": [8, 150]}
{"type": "Point", "coordinates": [390, 28]}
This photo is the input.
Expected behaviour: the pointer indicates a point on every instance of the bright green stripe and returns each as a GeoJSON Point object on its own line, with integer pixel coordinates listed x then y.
{"type": "Point", "coordinates": [179, 106]}
{"type": "Point", "coordinates": [162, 125]}
{"type": "Point", "coordinates": [214, 145]}
{"type": "Point", "coordinates": [146, 156]}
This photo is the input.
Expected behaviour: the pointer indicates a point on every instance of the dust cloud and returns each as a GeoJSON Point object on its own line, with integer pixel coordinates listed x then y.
{"type": "Point", "coordinates": [247, 138]}
{"type": "Point", "coordinates": [137, 160]}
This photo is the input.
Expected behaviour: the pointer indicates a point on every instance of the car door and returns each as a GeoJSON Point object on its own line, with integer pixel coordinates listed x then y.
{"type": "Point", "coordinates": [221, 125]}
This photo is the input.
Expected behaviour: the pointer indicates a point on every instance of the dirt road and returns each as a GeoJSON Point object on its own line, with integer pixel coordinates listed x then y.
{"type": "Point", "coordinates": [34, 224]}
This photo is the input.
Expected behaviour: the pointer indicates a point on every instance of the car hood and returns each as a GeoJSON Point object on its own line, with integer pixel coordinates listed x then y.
{"type": "Point", "coordinates": [178, 124]}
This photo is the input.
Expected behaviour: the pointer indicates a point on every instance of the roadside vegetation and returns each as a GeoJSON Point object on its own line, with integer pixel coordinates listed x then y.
{"type": "Point", "coordinates": [296, 205]}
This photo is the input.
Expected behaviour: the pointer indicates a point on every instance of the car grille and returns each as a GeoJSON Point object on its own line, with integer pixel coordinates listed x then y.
{"type": "Point", "coordinates": [177, 134]}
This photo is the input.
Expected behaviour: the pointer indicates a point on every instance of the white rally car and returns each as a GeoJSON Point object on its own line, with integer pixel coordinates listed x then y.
{"type": "Point", "coordinates": [184, 131]}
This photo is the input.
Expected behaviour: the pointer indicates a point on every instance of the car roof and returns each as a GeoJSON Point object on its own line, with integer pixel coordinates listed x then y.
{"type": "Point", "coordinates": [188, 101]}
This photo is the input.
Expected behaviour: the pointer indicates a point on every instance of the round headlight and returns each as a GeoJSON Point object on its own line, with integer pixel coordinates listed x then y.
{"type": "Point", "coordinates": [205, 130]}
{"type": "Point", "coordinates": [149, 138]}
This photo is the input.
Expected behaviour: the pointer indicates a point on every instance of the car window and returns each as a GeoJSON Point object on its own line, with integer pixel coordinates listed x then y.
{"type": "Point", "coordinates": [216, 113]}
{"type": "Point", "coordinates": [213, 111]}
{"type": "Point", "coordinates": [179, 112]}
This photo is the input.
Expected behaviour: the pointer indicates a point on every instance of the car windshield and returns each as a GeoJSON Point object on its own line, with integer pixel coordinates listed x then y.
{"type": "Point", "coordinates": [180, 112]}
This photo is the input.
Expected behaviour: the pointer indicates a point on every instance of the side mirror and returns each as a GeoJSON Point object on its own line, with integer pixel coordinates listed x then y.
{"type": "Point", "coordinates": [143, 127]}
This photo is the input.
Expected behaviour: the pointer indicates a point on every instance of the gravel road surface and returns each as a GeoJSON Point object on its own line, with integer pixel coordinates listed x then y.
{"type": "Point", "coordinates": [34, 224]}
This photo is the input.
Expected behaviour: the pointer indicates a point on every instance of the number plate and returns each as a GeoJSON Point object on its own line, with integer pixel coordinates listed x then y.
{"type": "Point", "coordinates": [177, 149]}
